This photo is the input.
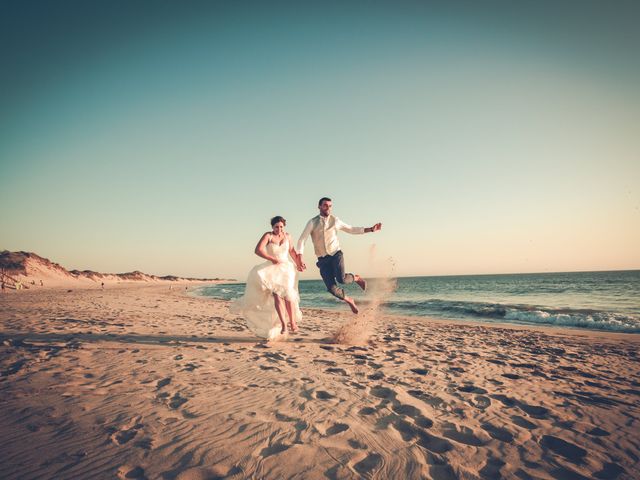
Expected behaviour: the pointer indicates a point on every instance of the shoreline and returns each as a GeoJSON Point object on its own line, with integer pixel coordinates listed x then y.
{"type": "Point", "coordinates": [568, 330]}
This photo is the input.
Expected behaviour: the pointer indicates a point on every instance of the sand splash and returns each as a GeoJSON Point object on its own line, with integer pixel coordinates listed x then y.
{"type": "Point", "coordinates": [360, 327]}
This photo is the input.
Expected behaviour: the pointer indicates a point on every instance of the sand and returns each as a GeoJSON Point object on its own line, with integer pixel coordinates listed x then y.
{"type": "Point", "coordinates": [146, 382]}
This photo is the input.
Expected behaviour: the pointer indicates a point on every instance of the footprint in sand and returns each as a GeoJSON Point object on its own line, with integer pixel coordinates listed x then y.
{"type": "Point", "coordinates": [190, 367]}
{"type": "Point", "coordinates": [407, 431]}
{"type": "Point", "coordinates": [124, 435]}
{"type": "Point", "coordinates": [463, 434]}
{"type": "Point", "coordinates": [498, 433]}
{"type": "Point", "coordinates": [470, 388]}
{"type": "Point", "coordinates": [323, 395]}
{"type": "Point", "coordinates": [177, 401]}
{"type": "Point", "coordinates": [491, 469]}
{"type": "Point", "coordinates": [426, 398]}
{"type": "Point", "coordinates": [369, 465]}
{"type": "Point", "coordinates": [367, 411]}
{"type": "Point", "coordinates": [163, 383]}
{"type": "Point", "coordinates": [353, 443]}
{"type": "Point", "coordinates": [598, 432]}
{"type": "Point", "coordinates": [568, 368]}
{"type": "Point", "coordinates": [382, 392]}
{"type": "Point", "coordinates": [423, 421]}
{"type": "Point", "coordinates": [274, 357]}
{"type": "Point", "coordinates": [144, 443]}
{"type": "Point", "coordinates": [432, 443]}
{"type": "Point", "coordinates": [440, 469]}
{"type": "Point", "coordinates": [268, 367]}
{"type": "Point", "coordinates": [505, 400]}
{"type": "Point", "coordinates": [610, 471]}
{"type": "Point", "coordinates": [14, 368]}
{"type": "Point", "coordinates": [274, 449]}
{"type": "Point", "coordinates": [408, 410]}
{"type": "Point", "coordinates": [568, 450]}
{"type": "Point", "coordinates": [337, 428]}
{"type": "Point", "coordinates": [337, 371]}
{"type": "Point", "coordinates": [480, 402]}
{"type": "Point", "coordinates": [419, 371]}
{"type": "Point", "coordinates": [126, 472]}
{"type": "Point", "coordinates": [496, 362]}
{"type": "Point", "coordinates": [523, 422]}
{"type": "Point", "coordinates": [534, 410]}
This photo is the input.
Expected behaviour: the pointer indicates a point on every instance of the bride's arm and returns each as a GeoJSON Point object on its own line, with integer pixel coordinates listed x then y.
{"type": "Point", "coordinates": [292, 250]}
{"type": "Point", "coordinates": [261, 249]}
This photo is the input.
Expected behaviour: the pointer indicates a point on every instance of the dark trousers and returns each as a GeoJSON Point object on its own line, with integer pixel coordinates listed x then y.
{"type": "Point", "coordinates": [332, 272]}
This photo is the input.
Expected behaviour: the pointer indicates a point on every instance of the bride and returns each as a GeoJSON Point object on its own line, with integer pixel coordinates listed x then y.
{"type": "Point", "coordinates": [271, 292]}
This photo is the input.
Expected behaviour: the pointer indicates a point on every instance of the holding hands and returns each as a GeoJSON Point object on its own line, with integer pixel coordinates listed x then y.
{"type": "Point", "coordinates": [300, 263]}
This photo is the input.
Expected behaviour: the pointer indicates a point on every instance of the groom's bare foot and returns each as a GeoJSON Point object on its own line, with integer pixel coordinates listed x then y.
{"type": "Point", "coordinates": [351, 304]}
{"type": "Point", "coordinates": [362, 283]}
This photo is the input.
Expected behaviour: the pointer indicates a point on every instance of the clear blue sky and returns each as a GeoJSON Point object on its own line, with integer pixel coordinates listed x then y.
{"type": "Point", "coordinates": [163, 136]}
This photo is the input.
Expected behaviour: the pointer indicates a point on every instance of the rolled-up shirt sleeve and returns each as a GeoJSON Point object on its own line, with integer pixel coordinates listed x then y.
{"type": "Point", "coordinates": [340, 225]}
{"type": "Point", "coordinates": [303, 238]}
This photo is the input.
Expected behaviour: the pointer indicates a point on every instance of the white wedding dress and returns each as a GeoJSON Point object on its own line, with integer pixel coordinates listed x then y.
{"type": "Point", "coordinates": [257, 305]}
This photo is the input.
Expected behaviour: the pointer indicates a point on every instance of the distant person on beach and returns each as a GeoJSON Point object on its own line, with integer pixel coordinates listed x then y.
{"type": "Point", "coordinates": [102, 285]}
{"type": "Point", "coordinates": [41, 284]}
{"type": "Point", "coordinates": [271, 293]}
{"type": "Point", "coordinates": [323, 229]}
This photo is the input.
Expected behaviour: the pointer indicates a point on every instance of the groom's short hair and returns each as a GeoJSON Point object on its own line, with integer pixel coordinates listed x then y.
{"type": "Point", "coordinates": [323, 199]}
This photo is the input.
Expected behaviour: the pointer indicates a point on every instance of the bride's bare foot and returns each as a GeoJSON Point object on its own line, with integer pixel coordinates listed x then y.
{"type": "Point", "coordinates": [362, 283]}
{"type": "Point", "coordinates": [283, 330]}
{"type": "Point", "coordinates": [351, 304]}
{"type": "Point", "coordinates": [294, 327]}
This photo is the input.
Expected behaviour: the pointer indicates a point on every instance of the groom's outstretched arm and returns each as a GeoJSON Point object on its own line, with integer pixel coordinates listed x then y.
{"type": "Point", "coordinates": [340, 225]}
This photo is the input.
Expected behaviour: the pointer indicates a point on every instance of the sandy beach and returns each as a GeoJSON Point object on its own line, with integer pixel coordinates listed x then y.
{"type": "Point", "coordinates": [145, 382]}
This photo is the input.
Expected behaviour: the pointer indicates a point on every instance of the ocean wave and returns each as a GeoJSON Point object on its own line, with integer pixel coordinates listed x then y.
{"type": "Point", "coordinates": [529, 314]}
{"type": "Point", "coordinates": [313, 294]}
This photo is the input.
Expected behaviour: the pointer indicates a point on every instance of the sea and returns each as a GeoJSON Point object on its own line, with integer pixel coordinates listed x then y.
{"type": "Point", "coordinates": [584, 300]}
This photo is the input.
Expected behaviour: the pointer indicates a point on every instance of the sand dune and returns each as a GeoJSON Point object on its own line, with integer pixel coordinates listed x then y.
{"type": "Point", "coordinates": [34, 271]}
{"type": "Point", "coordinates": [143, 382]}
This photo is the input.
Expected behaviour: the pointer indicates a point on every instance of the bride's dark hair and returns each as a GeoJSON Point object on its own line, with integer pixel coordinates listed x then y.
{"type": "Point", "coordinates": [277, 219]}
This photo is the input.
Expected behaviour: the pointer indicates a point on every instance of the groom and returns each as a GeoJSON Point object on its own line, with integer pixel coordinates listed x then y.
{"type": "Point", "coordinates": [324, 234]}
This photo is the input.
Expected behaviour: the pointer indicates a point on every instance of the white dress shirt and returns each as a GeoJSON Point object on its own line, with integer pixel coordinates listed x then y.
{"type": "Point", "coordinates": [324, 234]}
